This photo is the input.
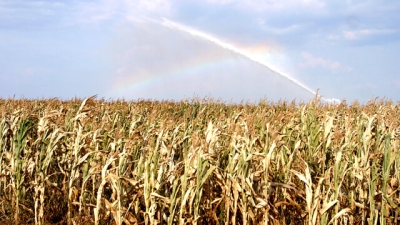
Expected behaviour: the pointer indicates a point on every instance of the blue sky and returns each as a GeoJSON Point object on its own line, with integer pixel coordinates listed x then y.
{"type": "Point", "coordinates": [124, 49]}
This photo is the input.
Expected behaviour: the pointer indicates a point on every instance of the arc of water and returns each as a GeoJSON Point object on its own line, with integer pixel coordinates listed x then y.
{"type": "Point", "coordinates": [176, 26]}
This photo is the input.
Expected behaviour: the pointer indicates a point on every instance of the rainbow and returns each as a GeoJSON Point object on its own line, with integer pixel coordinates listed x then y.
{"type": "Point", "coordinates": [136, 84]}
{"type": "Point", "coordinates": [132, 84]}
{"type": "Point", "coordinates": [230, 47]}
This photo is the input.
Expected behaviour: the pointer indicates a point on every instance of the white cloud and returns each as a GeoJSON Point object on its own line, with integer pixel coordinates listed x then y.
{"type": "Point", "coordinates": [354, 35]}
{"type": "Point", "coordinates": [94, 12]}
{"type": "Point", "coordinates": [283, 30]}
{"type": "Point", "coordinates": [311, 61]}
{"type": "Point", "coordinates": [360, 34]}
{"type": "Point", "coordinates": [273, 5]}
{"type": "Point", "coordinates": [19, 13]}
{"type": "Point", "coordinates": [159, 7]}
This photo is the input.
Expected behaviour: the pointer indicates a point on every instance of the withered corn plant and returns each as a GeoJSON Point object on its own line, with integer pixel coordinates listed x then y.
{"type": "Point", "coordinates": [198, 162]}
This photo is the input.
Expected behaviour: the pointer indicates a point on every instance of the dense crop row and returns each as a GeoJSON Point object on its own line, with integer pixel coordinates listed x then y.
{"type": "Point", "coordinates": [203, 162]}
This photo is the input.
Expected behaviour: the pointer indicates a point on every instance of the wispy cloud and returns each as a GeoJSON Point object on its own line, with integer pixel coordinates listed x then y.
{"type": "Point", "coordinates": [94, 12]}
{"type": "Point", "coordinates": [29, 14]}
{"type": "Point", "coordinates": [49, 34]}
{"type": "Point", "coordinates": [311, 61]}
{"type": "Point", "coordinates": [354, 35]}
{"type": "Point", "coordinates": [262, 5]}
{"type": "Point", "coordinates": [281, 30]}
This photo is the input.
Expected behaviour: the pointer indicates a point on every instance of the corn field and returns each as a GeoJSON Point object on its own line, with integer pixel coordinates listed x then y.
{"type": "Point", "coordinates": [198, 162]}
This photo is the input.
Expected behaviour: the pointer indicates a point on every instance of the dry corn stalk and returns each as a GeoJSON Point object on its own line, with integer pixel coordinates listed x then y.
{"type": "Point", "coordinates": [203, 162]}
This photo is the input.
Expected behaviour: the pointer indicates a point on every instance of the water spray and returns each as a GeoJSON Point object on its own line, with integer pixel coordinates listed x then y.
{"type": "Point", "coordinates": [173, 25]}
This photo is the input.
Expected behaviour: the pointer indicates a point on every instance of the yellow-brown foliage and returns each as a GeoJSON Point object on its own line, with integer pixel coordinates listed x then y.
{"type": "Point", "coordinates": [198, 162]}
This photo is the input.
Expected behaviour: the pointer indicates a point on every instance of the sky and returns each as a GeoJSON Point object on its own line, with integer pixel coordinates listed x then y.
{"type": "Point", "coordinates": [228, 50]}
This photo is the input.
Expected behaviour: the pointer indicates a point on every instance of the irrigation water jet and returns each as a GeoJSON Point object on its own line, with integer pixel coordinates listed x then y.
{"type": "Point", "coordinates": [176, 26]}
